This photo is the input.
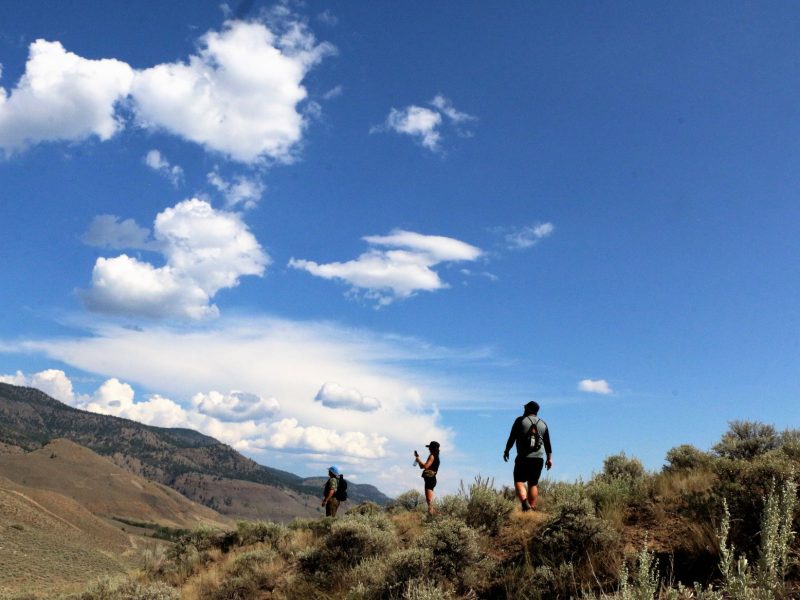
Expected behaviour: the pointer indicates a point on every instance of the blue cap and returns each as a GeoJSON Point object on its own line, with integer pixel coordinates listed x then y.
{"type": "Point", "coordinates": [334, 469]}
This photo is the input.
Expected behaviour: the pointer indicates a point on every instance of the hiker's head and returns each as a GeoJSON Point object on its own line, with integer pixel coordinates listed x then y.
{"type": "Point", "coordinates": [531, 408]}
{"type": "Point", "coordinates": [433, 447]}
{"type": "Point", "coordinates": [333, 470]}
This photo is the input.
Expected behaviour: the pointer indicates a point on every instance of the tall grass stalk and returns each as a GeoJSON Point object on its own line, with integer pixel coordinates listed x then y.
{"type": "Point", "coordinates": [646, 582]}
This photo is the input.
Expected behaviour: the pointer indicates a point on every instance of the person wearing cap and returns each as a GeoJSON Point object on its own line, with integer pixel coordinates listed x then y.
{"type": "Point", "coordinates": [429, 470]}
{"type": "Point", "coordinates": [534, 451]}
{"type": "Point", "coordinates": [329, 500]}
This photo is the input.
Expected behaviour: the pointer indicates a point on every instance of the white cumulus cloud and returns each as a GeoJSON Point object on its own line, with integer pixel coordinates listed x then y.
{"type": "Point", "coordinates": [425, 124]}
{"type": "Point", "coordinates": [206, 250]}
{"type": "Point", "coordinates": [238, 418]}
{"type": "Point", "coordinates": [397, 266]}
{"type": "Point", "coordinates": [595, 386]}
{"type": "Point", "coordinates": [334, 395]}
{"type": "Point", "coordinates": [238, 95]}
{"type": "Point", "coordinates": [287, 433]}
{"type": "Point", "coordinates": [62, 96]}
{"type": "Point", "coordinates": [52, 382]}
{"type": "Point", "coordinates": [235, 406]}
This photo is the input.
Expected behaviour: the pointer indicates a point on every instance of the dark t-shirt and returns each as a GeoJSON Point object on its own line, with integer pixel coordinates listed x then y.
{"type": "Point", "coordinates": [518, 435]}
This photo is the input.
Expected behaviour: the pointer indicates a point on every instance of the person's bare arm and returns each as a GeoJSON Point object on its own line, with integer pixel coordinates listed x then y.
{"type": "Point", "coordinates": [427, 464]}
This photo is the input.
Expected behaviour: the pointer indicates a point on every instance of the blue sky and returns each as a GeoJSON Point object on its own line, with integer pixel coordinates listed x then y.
{"type": "Point", "coordinates": [332, 232]}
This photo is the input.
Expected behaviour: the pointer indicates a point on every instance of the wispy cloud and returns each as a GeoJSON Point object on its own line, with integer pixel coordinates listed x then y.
{"type": "Point", "coordinates": [524, 237]}
{"type": "Point", "coordinates": [158, 162]}
{"type": "Point", "coordinates": [332, 93]}
{"type": "Point", "coordinates": [242, 191]}
{"type": "Point", "coordinates": [326, 17]}
{"type": "Point", "coordinates": [397, 266]}
{"type": "Point", "coordinates": [425, 124]}
{"type": "Point", "coordinates": [595, 386]}
{"type": "Point", "coordinates": [283, 372]}
{"type": "Point", "coordinates": [107, 231]}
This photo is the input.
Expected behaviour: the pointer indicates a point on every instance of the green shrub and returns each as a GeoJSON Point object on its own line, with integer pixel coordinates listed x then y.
{"type": "Point", "coordinates": [364, 508]}
{"type": "Point", "coordinates": [486, 508]}
{"type": "Point", "coordinates": [318, 526]}
{"type": "Point", "coordinates": [612, 497]}
{"type": "Point", "coordinates": [524, 581]}
{"type": "Point", "coordinates": [574, 535]}
{"type": "Point", "coordinates": [206, 538]}
{"type": "Point", "coordinates": [403, 567]}
{"type": "Point", "coordinates": [387, 577]}
{"type": "Point", "coordinates": [265, 532]}
{"type": "Point", "coordinates": [619, 466]}
{"type": "Point", "coordinates": [452, 544]}
{"type": "Point", "coordinates": [746, 440]}
{"type": "Point", "coordinates": [452, 506]}
{"type": "Point", "coordinates": [350, 541]}
{"type": "Point", "coordinates": [410, 500]}
{"type": "Point", "coordinates": [686, 457]}
{"type": "Point", "coordinates": [422, 589]}
{"type": "Point", "coordinates": [745, 484]}
{"type": "Point", "coordinates": [251, 561]}
{"type": "Point", "coordinates": [124, 589]}
{"type": "Point", "coordinates": [767, 580]}
{"type": "Point", "coordinates": [241, 587]}
{"type": "Point", "coordinates": [553, 494]}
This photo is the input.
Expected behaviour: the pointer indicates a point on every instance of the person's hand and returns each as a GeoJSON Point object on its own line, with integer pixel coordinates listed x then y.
{"type": "Point", "coordinates": [323, 503]}
{"type": "Point", "coordinates": [549, 464]}
{"type": "Point", "coordinates": [505, 456]}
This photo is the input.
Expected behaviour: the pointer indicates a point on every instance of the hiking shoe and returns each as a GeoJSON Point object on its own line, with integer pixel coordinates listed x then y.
{"type": "Point", "coordinates": [526, 506]}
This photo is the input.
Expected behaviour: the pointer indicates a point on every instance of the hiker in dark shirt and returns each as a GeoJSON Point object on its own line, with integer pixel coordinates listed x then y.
{"type": "Point", "coordinates": [429, 470]}
{"type": "Point", "coordinates": [532, 438]}
{"type": "Point", "coordinates": [329, 500]}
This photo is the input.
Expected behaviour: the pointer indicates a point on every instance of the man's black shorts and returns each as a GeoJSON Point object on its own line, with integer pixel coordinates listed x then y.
{"type": "Point", "coordinates": [430, 482]}
{"type": "Point", "coordinates": [528, 469]}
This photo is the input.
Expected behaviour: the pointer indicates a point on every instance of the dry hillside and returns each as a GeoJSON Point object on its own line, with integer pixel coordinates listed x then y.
{"type": "Point", "coordinates": [29, 419]}
{"type": "Point", "coordinates": [102, 487]}
{"type": "Point", "coordinates": [49, 542]}
{"type": "Point", "coordinates": [246, 499]}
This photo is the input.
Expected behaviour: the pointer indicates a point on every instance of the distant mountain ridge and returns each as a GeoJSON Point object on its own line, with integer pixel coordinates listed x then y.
{"type": "Point", "coordinates": [29, 419]}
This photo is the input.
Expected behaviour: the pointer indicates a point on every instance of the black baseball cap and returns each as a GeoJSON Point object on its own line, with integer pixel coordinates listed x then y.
{"type": "Point", "coordinates": [532, 407]}
{"type": "Point", "coordinates": [432, 445]}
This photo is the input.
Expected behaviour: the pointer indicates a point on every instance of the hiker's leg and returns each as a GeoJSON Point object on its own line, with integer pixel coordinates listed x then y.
{"type": "Point", "coordinates": [533, 495]}
{"type": "Point", "coordinates": [522, 495]}
{"type": "Point", "coordinates": [429, 500]}
{"type": "Point", "coordinates": [533, 480]}
{"type": "Point", "coordinates": [522, 492]}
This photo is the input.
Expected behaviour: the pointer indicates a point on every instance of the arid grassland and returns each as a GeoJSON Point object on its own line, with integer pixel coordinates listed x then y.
{"type": "Point", "coordinates": [710, 525]}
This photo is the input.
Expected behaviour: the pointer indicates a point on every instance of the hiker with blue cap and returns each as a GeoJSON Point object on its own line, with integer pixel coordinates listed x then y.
{"type": "Point", "coordinates": [329, 500]}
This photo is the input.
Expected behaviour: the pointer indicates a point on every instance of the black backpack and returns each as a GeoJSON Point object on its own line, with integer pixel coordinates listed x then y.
{"type": "Point", "coordinates": [341, 490]}
{"type": "Point", "coordinates": [534, 437]}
